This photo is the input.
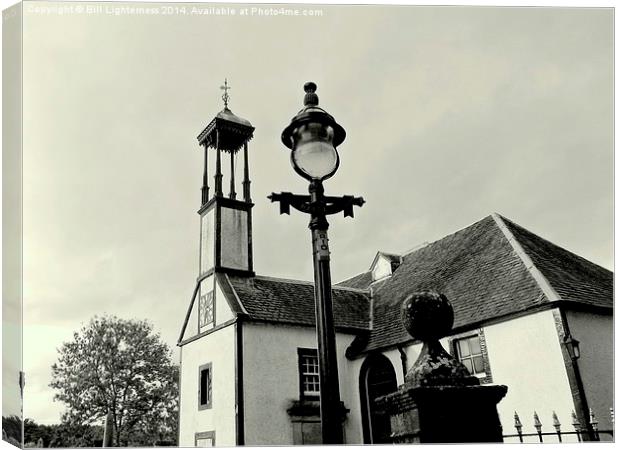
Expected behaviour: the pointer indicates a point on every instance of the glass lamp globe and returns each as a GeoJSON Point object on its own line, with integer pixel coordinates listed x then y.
{"type": "Point", "coordinates": [314, 154]}
{"type": "Point", "coordinates": [313, 136]}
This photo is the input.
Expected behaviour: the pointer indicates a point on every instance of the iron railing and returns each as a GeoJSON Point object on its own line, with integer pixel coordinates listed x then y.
{"type": "Point", "coordinates": [582, 433]}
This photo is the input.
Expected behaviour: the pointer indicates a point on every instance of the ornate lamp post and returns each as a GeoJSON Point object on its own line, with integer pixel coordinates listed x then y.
{"type": "Point", "coordinates": [313, 136]}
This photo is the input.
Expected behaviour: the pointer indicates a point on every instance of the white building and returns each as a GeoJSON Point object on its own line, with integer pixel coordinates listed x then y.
{"type": "Point", "coordinates": [248, 345]}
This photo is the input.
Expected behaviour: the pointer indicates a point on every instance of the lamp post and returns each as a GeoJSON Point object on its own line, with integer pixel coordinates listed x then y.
{"type": "Point", "coordinates": [313, 136]}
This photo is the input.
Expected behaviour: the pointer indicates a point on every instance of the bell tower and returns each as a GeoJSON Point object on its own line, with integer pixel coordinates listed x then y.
{"type": "Point", "coordinates": [225, 220]}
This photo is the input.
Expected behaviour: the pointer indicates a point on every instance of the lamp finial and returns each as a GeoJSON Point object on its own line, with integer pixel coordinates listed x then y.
{"type": "Point", "coordinates": [310, 99]}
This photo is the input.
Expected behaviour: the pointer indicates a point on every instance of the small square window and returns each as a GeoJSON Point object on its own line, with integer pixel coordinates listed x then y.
{"type": "Point", "coordinates": [308, 373]}
{"type": "Point", "coordinates": [205, 389]}
{"type": "Point", "coordinates": [469, 352]}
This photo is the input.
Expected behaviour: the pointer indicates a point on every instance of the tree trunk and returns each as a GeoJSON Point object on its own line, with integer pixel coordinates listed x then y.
{"type": "Point", "coordinates": [108, 440]}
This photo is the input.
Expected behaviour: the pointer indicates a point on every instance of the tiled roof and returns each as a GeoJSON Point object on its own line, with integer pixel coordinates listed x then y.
{"type": "Point", "coordinates": [483, 277]}
{"type": "Point", "coordinates": [475, 268]}
{"type": "Point", "coordinates": [292, 301]}
{"type": "Point", "coordinates": [572, 277]}
{"type": "Point", "coordinates": [361, 281]}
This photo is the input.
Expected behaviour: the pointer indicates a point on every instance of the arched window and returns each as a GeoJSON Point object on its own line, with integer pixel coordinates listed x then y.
{"type": "Point", "coordinates": [377, 378]}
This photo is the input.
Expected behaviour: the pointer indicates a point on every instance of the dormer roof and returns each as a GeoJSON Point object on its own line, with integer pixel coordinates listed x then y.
{"type": "Point", "coordinates": [384, 265]}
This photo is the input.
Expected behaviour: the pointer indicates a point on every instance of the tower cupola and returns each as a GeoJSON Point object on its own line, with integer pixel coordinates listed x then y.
{"type": "Point", "coordinates": [226, 221]}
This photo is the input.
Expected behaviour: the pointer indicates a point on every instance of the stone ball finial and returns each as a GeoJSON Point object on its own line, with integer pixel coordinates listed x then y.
{"type": "Point", "coordinates": [427, 315]}
{"type": "Point", "coordinates": [310, 99]}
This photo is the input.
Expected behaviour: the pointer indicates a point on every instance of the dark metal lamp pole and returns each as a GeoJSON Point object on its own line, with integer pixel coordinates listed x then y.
{"type": "Point", "coordinates": [313, 136]}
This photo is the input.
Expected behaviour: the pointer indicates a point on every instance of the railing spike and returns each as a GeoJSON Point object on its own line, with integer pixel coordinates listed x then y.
{"type": "Point", "coordinates": [557, 425]}
{"type": "Point", "coordinates": [538, 426]}
{"type": "Point", "coordinates": [593, 420]}
{"type": "Point", "coordinates": [594, 425]}
{"type": "Point", "coordinates": [586, 428]}
{"type": "Point", "coordinates": [518, 426]}
{"type": "Point", "coordinates": [537, 422]}
{"type": "Point", "coordinates": [518, 423]}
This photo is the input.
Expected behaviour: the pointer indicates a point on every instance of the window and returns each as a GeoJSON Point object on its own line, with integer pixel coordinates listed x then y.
{"type": "Point", "coordinates": [205, 439]}
{"type": "Point", "coordinates": [205, 389]}
{"type": "Point", "coordinates": [469, 352]}
{"type": "Point", "coordinates": [308, 373]}
{"type": "Point", "coordinates": [205, 316]}
{"type": "Point", "coordinates": [470, 348]}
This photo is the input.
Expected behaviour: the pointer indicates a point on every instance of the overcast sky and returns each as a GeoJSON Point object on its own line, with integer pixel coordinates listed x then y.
{"type": "Point", "coordinates": [451, 114]}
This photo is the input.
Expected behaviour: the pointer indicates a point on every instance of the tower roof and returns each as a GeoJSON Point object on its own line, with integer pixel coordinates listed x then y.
{"type": "Point", "coordinates": [227, 131]}
{"type": "Point", "coordinates": [227, 114]}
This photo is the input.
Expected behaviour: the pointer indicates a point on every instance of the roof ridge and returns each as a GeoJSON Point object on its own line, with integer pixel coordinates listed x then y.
{"type": "Point", "coordinates": [354, 276]}
{"type": "Point", "coordinates": [411, 250]}
{"type": "Point", "coordinates": [234, 291]}
{"type": "Point", "coordinates": [371, 309]}
{"type": "Point", "coordinates": [352, 289]}
{"type": "Point", "coordinates": [427, 243]}
{"type": "Point", "coordinates": [309, 283]}
{"type": "Point", "coordinates": [554, 244]}
{"type": "Point", "coordinates": [377, 284]}
{"type": "Point", "coordinates": [540, 279]}
{"type": "Point", "coordinates": [388, 253]}
{"type": "Point", "coordinates": [282, 280]}
{"type": "Point", "coordinates": [189, 312]}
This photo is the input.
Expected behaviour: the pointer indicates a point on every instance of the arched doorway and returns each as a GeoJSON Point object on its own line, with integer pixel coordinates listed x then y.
{"type": "Point", "coordinates": [377, 378]}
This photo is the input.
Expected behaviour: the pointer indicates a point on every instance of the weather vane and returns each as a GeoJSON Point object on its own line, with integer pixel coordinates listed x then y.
{"type": "Point", "coordinates": [225, 97]}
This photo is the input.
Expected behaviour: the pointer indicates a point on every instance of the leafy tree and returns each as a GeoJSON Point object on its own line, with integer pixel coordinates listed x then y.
{"type": "Point", "coordinates": [34, 431]}
{"type": "Point", "coordinates": [65, 435]}
{"type": "Point", "coordinates": [119, 366]}
{"type": "Point", "coordinates": [12, 429]}
{"type": "Point", "coordinates": [70, 435]}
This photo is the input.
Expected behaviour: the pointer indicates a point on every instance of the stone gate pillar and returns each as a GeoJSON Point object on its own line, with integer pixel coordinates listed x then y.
{"type": "Point", "coordinates": [440, 401]}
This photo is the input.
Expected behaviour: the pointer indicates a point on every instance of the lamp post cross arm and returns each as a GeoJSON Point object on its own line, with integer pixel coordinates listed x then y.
{"type": "Point", "coordinates": [334, 205]}
{"type": "Point", "coordinates": [327, 205]}
{"type": "Point", "coordinates": [287, 199]}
